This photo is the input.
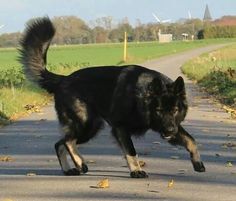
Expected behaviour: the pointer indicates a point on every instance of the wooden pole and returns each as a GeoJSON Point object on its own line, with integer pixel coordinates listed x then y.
{"type": "Point", "coordinates": [125, 47]}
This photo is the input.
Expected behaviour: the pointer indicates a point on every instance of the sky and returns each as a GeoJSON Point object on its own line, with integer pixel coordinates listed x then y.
{"type": "Point", "coordinates": [15, 13]}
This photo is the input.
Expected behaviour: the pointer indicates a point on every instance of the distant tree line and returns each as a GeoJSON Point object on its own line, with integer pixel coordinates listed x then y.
{"type": "Point", "coordinates": [217, 31]}
{"type": "Point", "coordinates": [73, 30]}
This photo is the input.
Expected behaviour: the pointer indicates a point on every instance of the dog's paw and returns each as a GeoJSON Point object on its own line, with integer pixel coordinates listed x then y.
{"type": "Point", "coordinates": [84, 168]}
{"type": "Point", "coordinates": [77, 171]}
{"type": "Point", "coordinates": [72, 172]}
{"type": "Point", "coordinates": [138, 174]}
{"type": "Point", "coordinates": [199, 166]}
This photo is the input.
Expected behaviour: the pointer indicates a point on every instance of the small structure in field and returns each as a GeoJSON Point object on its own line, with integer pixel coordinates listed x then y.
{"type": "Point", "coordinates": [185, 36]}
{"type": "Point", "coordinates": [164, 38]}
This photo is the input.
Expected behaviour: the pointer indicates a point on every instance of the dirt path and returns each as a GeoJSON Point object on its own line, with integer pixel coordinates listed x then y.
{"type": "Point", "coordinates": [30, 144]}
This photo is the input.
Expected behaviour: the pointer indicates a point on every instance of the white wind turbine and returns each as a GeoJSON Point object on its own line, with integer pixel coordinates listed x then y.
{"type": "Point", "coordinates": [159, 20]}
{"type": "Point", "coordinates": [189, 15]}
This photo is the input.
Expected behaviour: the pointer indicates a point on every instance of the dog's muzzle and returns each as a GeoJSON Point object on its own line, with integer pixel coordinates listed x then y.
{"type": "Point", "coordinates": [169, 134]}
{"type": "Point", "coordinates": [166, 136]}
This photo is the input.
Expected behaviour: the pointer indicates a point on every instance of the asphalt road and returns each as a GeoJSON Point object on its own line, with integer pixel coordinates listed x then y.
{"type": "Point", "coordinates": [33, 174]}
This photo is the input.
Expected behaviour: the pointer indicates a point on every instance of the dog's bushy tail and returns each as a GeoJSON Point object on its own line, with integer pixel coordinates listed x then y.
{"type": "Point", "coordinates": [33, 53]}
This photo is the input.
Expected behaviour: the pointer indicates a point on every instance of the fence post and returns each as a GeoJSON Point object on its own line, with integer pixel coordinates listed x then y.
{"type": "Point", "coordinates": [125, 47]}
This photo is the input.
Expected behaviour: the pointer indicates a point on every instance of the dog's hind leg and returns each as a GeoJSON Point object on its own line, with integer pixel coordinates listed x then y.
{"type": "Point", "coordinates": [62, 147]}
{"type": "Point", "coordinates": [61, 155]}
{"type": "Point", "coordinates": [72, 126]}
{"type": "Point", "coordinates": [185, 139]}
{"type": "Point", "coordinates": [75, 156]}
{"type": "Point", "coordinates": [125, 142]}
{"type": "Point", "coordinates": [81, 135]}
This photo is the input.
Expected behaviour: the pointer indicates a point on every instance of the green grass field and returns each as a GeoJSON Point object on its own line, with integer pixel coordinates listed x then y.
{"type": "Point", "coordinates": [107, 54]}
{"type": "Point", "coordinates": [216, 72]}
{"type": "Point", "coordinates": [65, 59]}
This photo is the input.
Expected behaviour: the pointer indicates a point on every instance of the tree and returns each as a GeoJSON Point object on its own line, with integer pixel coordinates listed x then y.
{"type": "Point", "coordinates": [10, 39]}
{"type": "Point", "coordinates": [100, 35]}
{"type": "Point", "coordinates": [71, 30]}
{"type": "Point", "coordinates": [122, 27]}
{"type": "Point", "coordinates": [102, 29]}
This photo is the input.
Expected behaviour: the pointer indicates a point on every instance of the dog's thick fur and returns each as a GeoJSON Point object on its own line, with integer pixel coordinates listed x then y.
{"type": "Point", "coordinates": [131, 99]}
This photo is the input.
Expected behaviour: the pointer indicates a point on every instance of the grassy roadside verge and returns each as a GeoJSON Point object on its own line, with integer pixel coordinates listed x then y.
{"type": "Point", "coordinates": [215, 72]}
{"type": "Point", "coordinates": [21, 97]}
{"type": "Point", "coordinates": [19, 102]}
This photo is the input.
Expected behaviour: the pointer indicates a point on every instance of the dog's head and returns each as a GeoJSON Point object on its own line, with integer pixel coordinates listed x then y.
{"type": "Point", "coordinates": [168, 107]}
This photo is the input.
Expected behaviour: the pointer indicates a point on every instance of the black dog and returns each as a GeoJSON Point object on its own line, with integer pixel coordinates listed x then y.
{"type": "Point", "coordinates": [131, 99]}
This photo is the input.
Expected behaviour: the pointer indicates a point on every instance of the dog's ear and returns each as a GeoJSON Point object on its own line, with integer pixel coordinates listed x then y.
{"type": "Point", "coordinates": [157, 87]}
{"type": "Point", "coordinates": [179, 86]}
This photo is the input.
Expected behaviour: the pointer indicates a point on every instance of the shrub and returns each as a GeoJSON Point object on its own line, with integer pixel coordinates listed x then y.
{"type": "Point", "coordinates": [222, 84]}
{"type": "Point", "coordinates": [11, 77]}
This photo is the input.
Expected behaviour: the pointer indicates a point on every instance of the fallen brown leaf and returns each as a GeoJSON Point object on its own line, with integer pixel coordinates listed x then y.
{"type": "Point", "coordinates": [229, 109]}
{"type": "Point", "coordinates": [30, 174]}
{"type": "Point", "coordinates": [91, 161]}
{"type": "Point", "coordinates": [171, 183]}
{"type": "Point", "coordinates": [153, 191]}
{"type": "Point", "coordinates": [6, 158]}
{"type": "Point", "coordinates": [229, 144]}
{"type": "Point", "coordinates": [174, 157]}
{"type": "Point", "coordinates": [103, 184]}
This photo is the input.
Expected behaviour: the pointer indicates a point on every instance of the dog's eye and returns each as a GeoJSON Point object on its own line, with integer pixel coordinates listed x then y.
{"type": "Point", "coordinates": [175, 110]}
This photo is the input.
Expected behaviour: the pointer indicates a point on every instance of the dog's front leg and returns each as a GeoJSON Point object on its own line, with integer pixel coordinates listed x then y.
{"type": "Point", "coordinates": [185, 139]}
{"type": "Point", "coordinates": [125, 142]}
